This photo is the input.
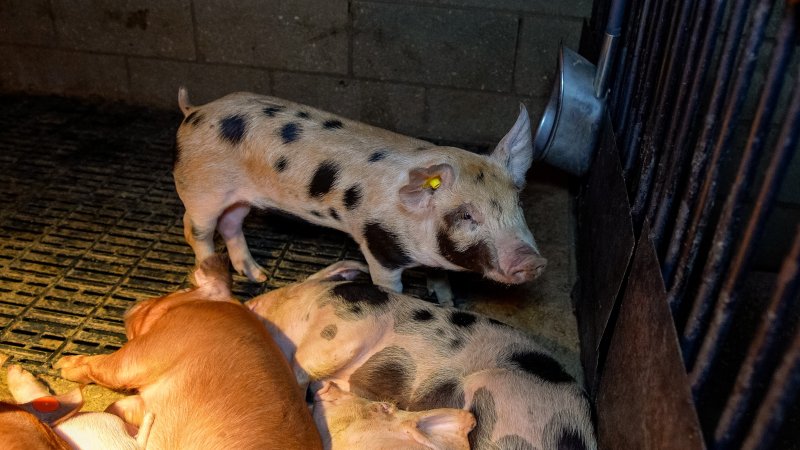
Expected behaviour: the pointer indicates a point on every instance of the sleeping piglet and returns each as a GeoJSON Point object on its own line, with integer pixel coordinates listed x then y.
{"type": "Point", "coordinates": [39, 420]}
{"type": "Point", "coordinates": [386, 346]}
{"type": "Point", "coordinates": [406, 202]}
{"type": "Point", "coordinates": [348, 422]}
{"type": "Point", "coordinates": [207, 369]}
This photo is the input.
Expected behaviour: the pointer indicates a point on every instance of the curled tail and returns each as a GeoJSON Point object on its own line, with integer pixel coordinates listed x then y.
{"type": "Point", "coordinates": [183, 101]}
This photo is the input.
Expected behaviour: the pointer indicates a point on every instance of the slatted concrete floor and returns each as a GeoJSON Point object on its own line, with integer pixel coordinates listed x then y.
{"type": "Point", "coordinates": [90, 223]}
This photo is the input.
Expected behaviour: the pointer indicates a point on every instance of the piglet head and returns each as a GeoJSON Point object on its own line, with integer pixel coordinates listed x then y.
{"type": "Point", "coordinates": [473, 201]}
{"type": "Point", "coordinates": [350, 422]}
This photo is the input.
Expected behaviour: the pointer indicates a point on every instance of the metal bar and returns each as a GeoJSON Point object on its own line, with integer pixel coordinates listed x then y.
{"type": "Point", "coordinates": [763, 354]}
{"type": "Point", "coordinates": [719, 256]}
{"type": "Point", "coordinates": [677, 137]}
{"type": "Point", "coordinates": [679, 259]}
{"type": "Point", "coordinates": [645, 90]}
{"type": "Point", "coordinates": [657, 118]}
{"type": "Point", "coordinates": [682, 71]}
{"type": "Point", "coordinates": [626, 93]}
{"type": "Point", "coordinates": [728, 223]}
{"type": "Point", "coordinates": [783, 390]}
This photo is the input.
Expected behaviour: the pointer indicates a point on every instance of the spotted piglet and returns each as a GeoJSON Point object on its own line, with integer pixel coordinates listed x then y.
{"type": "Point", "coordinates": [405, 201]}
{"type": "Point", "coordinates": [385, 346]}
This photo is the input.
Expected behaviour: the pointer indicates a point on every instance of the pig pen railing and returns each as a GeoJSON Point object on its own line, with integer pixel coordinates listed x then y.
{"type": "Point", "coordinates": [683, 343]}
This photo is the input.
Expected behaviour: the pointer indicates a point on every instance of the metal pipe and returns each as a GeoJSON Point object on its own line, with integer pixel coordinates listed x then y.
{"type": "Point", "coordinates": [785, 386]}
{"type": "Point", "coordinates": [727, 225]}
{"type": "Point", "coordinates": [786, 148]}
{"type": "Point", "coordinates": [658, 119]}
{"type": "Point", "coordinates": [678, 262]}
{"type": "Point", "coordinates": [613, 29]}
{"type": "Point", "coordinates": [763, 354]}
{"type": "Point", "coordinates": [691, 86]}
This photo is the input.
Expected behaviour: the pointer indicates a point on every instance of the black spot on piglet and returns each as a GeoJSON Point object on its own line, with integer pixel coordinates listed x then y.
{"type": "Point", "coordinates": [290, 132]}
{"type": "Point", "coordinates": [386, 375]}
{"type": "Point", "coordinates": [271, 110]}
{"type": "Point", "coordinates": [281, 164]}
{"type": "Point", "coordinates": [462, 319]}
{"type": "Point", "coordinates": [570, 440]}
{"type": "Point", "coordinates": [232, 128]}
{"type": "Point", "coordinates": [334, 214]}
{"type": "Point", "coordinates": [377, 156]}
{"type": "Point", "coordinates": [539, 365]}
{"type": "Point", "coordinates": [422, 315]}
{"type": "Point", "coordinates": [352, 197]}
{"type": "Point", "coordinates": [302, 115]}
{"type": "Point", "coordinates": [324, 178]}
{"type": "Point", "coordinates": [356, 292]}
{"type": "Point", "coordinates": [329, 332]}
{"type": "Point", "coordinates": [385, 246]}
{"type": "Point", "coordinates": [331, 124]}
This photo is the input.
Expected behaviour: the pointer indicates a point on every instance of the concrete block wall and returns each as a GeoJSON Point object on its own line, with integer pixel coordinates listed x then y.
{"type": "Point", "coordinates": [440, 69]}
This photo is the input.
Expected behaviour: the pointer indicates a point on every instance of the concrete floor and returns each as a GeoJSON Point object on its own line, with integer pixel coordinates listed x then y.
{"type": "Point", "coordinates": [542, 307]}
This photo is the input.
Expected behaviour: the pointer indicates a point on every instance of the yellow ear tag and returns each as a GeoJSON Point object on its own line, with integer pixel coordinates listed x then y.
{"type": "Point", "coordinates": [433, 182]}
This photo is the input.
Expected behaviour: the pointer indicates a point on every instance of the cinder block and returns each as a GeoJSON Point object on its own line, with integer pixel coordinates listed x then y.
{"type": "Point", "coordinates": [476, 117]}
{"type": "Point", "coordinates": [36, 70]}
{"type": "Point", "coordinates": [26, 22]}
{"type": "Point", "coordinates": [155, 82]}
{"type": "Point", "coordinates": [449, 47]}
{"type": "Point", "coordinates": [143, 27]}
{"type": "Point", "coordinates": [392, 106]}
{"type": "Point", "coordinates": [569, 8]}
{"type": "Point", "coordinates": [308, 35]}
{"type": "Point", "coordinates": [537, 59]}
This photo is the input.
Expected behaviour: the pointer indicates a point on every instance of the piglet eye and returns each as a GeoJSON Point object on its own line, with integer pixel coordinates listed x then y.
{"type": "Point", "coordinates": [467, 216]}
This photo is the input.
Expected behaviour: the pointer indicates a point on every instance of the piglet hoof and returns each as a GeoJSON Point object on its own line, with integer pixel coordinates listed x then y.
{"type": "Point", "coordinates": [251, 270]}
{"type": "Point", "coordinates": [439, 284]}
{"type": "Point", "coordinates": [74, 368]}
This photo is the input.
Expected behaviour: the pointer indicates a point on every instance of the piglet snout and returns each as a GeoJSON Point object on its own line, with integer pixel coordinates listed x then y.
{"type": "Point", "coordinates": [523, 264]}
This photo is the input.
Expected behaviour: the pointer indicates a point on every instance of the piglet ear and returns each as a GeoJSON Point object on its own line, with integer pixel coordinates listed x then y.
{"type": "Point", "coordinates": [423, 183]}
{"type": "Point", "coordinates": [53, 410]}
{"type": "Point", "coordinates": [340, 271]}
{"type": "Point", "coordinates": [515, 150]}
{"type": "Point", "coordinates": [444, 428]}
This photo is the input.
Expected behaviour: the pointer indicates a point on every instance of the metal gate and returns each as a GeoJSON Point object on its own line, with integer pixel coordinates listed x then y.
{"type": "Point", "coordinates": [684, 345]}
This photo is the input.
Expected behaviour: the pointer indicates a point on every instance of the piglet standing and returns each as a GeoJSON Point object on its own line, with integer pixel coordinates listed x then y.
{"type": "Point", "coordinates": [348, 422]}
{"type": "Point", "coordinates": [39, 420]}
{"type": "Point", "coordinates": [207, 369]}
{"type": "Point", "coordinates": [386, 346]}
{"type": "Point", "coordinates": [406, 202]}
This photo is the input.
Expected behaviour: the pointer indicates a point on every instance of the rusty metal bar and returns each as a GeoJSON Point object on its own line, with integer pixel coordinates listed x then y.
{"type": "Point", "coordinates": [763, 354]}
{"type": "Point", "coordinates": [679, 67]}
{"type": "Point", "coordinates": [695, 206]}
{"type": "Point", "coordinates": [691, 93]}
{"type": "Point", "coordinates": [728, 223]}
{"type": "Point", "coordinates": [658, 120]}
{"type": "Point", "coordinates": [785, 385]}
{"type": "Point", "coordinates": [645, 90]}
{"type": "Point", "coordinates": [626, 92]}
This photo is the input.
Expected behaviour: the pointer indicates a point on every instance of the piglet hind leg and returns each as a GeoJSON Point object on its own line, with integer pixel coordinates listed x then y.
{"type": "Point", "coordinates": [199, 233]}
{"type": "Point", "coordinates": [124, 370]}
{"type": "Point", "coordinates": [230, 227]}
